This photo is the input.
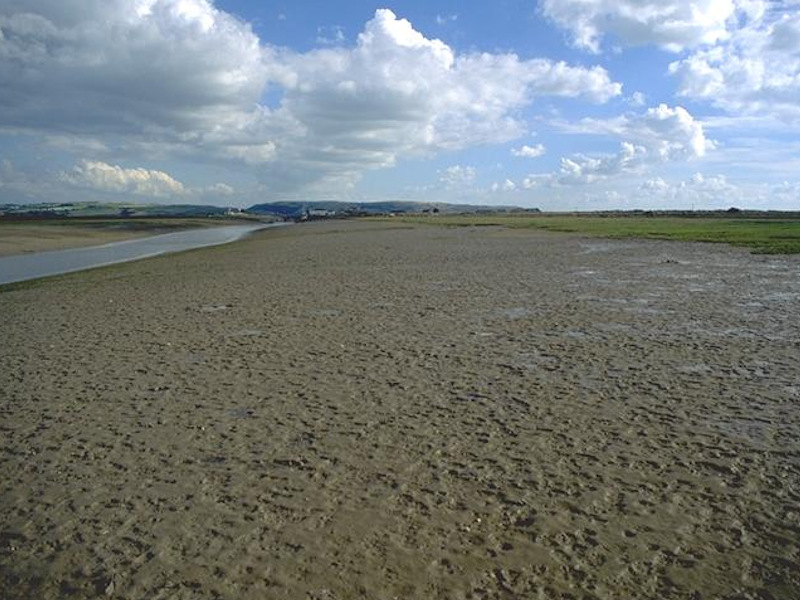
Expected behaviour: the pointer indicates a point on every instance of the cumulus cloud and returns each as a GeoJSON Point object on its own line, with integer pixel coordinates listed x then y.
{"type": "Point", "coordinates": [176, 69]}
{"type": "Point", "coordinates": [742, 55]}
{"type": "Point", "coordinates": [659, 135]}
{"type": "Point", "coordinates": [667, 133]}
{"type": "Point", "coordinates": [581, 169]}
{"type": "Point", "coordinates": [183, 77]}
{"type": "Point", "coordinates": [330, 36]}
{"type": "Point", "coordinates": [529, 151]}
{"type": "Point", "coordinates": [655, 185]}
{"type": "Point", "coordinates": [637, 99]}
{"type": "Point", "coordinates": [504, 186]}
{"type": "Point", "coordinates": [398, 94]}
{"type": "Point", "coordinates": [101, 176]}
{"type": "Point", "coordinates": [787, 193]}
{"type": "Point", "coordinates": [671, 24]}
{"type": "Point", "coordinates": [700, 189]}
{"type": "Point", "coordinates": [457, 176]}
{"type": "Point", "coordinates": [754, 72]}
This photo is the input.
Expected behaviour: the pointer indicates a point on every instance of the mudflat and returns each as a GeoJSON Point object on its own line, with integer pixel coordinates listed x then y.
{"type": "Point", "coordinates": [25, 237]}
{"type": "Point", "coordinates": [364, 410]}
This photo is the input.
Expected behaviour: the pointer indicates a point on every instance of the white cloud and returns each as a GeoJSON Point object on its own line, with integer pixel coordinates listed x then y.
{"type": "Point", "coordinates": [671, 24]}
{"type": "Point", "coordinates": [101, 176]}
{"type": "Point", "coordinates": [529, 151]}
{"type": "Point", "coordinates": [787, 193]}
{"type": "Point", "coordinates": [444, 19]}
{"type": "Point", "coordinates": [76, 144]}
{"type": "Point", "coordinates": [251, 154]}
{"type": "Point", "coordinates": [655, 186]}
{"type": "Point", "coordinates": [535, 181]}
{"type": "Point", "coordinates": [581, 169]}
{"type": "Point", "coordinates": [659, 135]}
{"type": "Point", "coordinates": [744, 55]}
{"type": "Point", "coordinates": [754, 72]}
{"type": "Point", "coordinates": [175, 67]}
{"type": "Point", "coordinates": [330, 36]}
{"type": "Point", "coordinates": [219, 189]}
{"type": "Point", "coordinates": [400, 94]}
{"type": "Point", "coordinates": [505, 186]}
{"type": "Point", "coordinates": [185, 78]}
{"type": "Point", "coordinates": [165, 77]}
{"type": "Point", "coordinates": [637, 99]}
{"type": "Point", "coordinates": [457, 176]}
{"type": "Point", "coordinates": [710, 191]}
{"type": "Point", "coordinates": [667, 133]}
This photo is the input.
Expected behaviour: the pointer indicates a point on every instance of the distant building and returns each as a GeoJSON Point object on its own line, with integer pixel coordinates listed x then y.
{"type": "Point", "coordinates": [317, 213]}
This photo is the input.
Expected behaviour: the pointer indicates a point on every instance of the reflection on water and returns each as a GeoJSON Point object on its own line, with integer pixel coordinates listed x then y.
{"type": "Point", "coordinates": [44, 264]}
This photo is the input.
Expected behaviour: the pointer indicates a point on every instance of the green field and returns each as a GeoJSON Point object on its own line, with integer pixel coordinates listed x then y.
{"type": "Point", "coordinates": [762, 235]}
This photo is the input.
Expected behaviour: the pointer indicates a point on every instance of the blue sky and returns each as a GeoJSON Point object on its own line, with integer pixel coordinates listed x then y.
{"type": "Point", "coordinates": [557, 104]}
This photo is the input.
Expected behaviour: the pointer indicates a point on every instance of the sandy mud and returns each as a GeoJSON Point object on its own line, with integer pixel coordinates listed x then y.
{"type": "Point", "coordinates": [363, 410]}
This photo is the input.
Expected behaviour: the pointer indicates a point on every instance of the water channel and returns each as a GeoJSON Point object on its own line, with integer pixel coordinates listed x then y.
{"type": "Point", "coordinates": [22, 267]}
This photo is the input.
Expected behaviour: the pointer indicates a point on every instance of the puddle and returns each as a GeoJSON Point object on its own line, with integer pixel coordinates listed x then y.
{"type": "Point", "coordinates": [246, 333]}
{"type": "Point", "coordinates": [514, 313]}
{"type": "Point", "coordinates": [240, 413]}
{"type": "Point", "coordinates": [326, 312]}
{"type": "Point", "coordinates": [211, 308]}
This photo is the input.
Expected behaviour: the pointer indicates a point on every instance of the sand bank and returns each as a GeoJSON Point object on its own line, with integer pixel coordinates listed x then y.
{"type": "Point", "coordinates": [352, 410]}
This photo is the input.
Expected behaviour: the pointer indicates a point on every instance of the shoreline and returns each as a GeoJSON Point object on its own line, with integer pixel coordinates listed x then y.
{"type": "Point", "coordinates": [367, 410]}
{"type": "Point", "coordinates": [40, 265]}
{"type": "Point", "coordinates": [27, 236]}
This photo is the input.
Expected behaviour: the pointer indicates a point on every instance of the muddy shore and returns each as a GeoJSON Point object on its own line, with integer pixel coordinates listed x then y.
{"type": "Point", "coordinates": [26, 237]}
{"type": "Point", "coordinates": [363, 410]}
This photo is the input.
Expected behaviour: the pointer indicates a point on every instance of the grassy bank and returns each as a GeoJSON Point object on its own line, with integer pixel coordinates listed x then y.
{"type": "Point", "coordinates": [761, 235]}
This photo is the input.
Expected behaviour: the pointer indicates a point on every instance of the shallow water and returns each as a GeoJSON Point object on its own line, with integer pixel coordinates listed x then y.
{"type": "Point", "coordinates": [44, 264]}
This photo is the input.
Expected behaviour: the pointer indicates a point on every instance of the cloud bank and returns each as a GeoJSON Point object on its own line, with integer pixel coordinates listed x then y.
{"type": "Point", "coordinates": [529, 151]}
{"type": "Point", "coordinates": [659, 135]}
{"type": "Point", "coordinates": [183, 78]}
{"type": "Point", "coordinates": [674, 25]}
{"type": "Point", "coordinates": [113, 178]}
{"type": "Point", "coordinates": [756, 71]}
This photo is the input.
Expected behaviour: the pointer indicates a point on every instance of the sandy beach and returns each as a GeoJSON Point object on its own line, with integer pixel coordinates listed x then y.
{"type": "Point", "coordinates": [372, 410]}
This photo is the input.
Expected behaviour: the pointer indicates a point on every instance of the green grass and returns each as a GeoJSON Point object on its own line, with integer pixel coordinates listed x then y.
{"type": "Point", "coordinates": [761, 235]}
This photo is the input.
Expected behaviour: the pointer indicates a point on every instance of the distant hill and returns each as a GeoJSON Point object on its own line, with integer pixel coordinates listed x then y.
{"type": "Point", "coordinates": [285, 210]}
{"type": "Point", "coordinates": [293, 210]}
{"type": "Point", "coordinates": [97, 209]}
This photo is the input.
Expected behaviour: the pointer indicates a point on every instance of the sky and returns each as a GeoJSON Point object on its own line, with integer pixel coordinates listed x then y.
{"type": "Point", "coordinates": [553, 104]}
